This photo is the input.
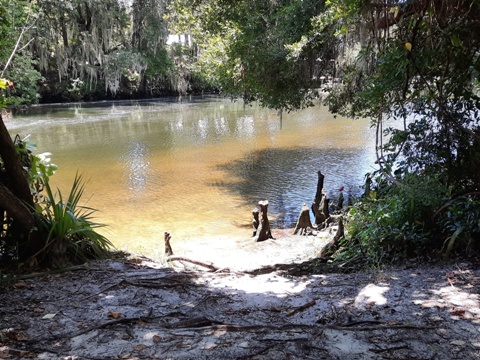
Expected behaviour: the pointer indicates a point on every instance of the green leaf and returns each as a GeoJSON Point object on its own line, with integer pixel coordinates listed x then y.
{"type": "Point", "coordinates": [456, 41]}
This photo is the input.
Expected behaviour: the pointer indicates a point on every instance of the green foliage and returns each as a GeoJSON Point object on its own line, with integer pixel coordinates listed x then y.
{"type": "Point", "coordinates": [461, 220]}
{"type": "Point", "coordinates": [258, 51]}
{"type": "Point", "coordinates": [418, 67]}
{"type": "Point", "coordinates": [15, 60]}
{"type": "Point", "coordinates": [27, 80]}
{"type": "Point", "coordinates": [395, 222]}
{"type": "Point", "coordinates": [5, 84]}
{"type": "Point", "coordinates": [67, 222]}
{"type": "Point", "coordinates": [418, 218]}
{"type": "Point", "coordinates": [37, 166]}
{"type": "Point", "coordinates": [424, 72]}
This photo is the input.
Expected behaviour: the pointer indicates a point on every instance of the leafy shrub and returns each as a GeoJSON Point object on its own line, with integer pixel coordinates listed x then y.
{"type": "Point", "coordinates": [27, 79]}
{"type": "Point", "coordinates": [461, 221]}
{"type": "Point", "coordinates": [71, 233]}
{"type": "Point", "coordinates": [395, 221]}
{"type": "Point", "coordinates": [71, 224]}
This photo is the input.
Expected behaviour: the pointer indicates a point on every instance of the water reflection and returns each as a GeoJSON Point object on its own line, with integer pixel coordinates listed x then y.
{"type": "Point", "coordinates": [287, 178]}
{"type": "Point", "coordinates": [137, 168]}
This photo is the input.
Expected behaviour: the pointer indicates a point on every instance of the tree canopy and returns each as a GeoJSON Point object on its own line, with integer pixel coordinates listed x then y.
{"type": "Point", "coordinates": [262, 51]}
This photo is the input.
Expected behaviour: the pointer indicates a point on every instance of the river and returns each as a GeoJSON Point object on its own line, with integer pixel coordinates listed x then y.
{"type": "Point", "coordinates": [195, 166]}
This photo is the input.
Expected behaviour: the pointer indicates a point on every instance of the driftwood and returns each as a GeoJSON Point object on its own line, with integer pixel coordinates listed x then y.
{"type": "Point", "coordinates": [304, 225]}
{"type": "Point", "coordinates": [263, 231]}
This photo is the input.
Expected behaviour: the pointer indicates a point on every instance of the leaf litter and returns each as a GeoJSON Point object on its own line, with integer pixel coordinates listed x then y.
{"type": "Point", "coordinates": [139, 309]}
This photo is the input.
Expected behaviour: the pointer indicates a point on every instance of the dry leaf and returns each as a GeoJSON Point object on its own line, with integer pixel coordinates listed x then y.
{"type": "Point", "coordinates": [114, 314]}
{"type": "Point", "coordinates": [140, 347]}
{"type": "Point", "coordinates": [156, 339]}
{"type": "Point", "coordinates": [458, 342]}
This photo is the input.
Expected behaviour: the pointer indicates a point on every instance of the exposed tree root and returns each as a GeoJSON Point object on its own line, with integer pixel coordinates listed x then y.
{"type": "Point", "coordinates": [196, 262]}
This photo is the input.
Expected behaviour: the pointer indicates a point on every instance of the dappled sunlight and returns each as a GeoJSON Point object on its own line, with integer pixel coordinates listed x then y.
{"type": "Point", "coordinates": [371, 295]}
{"type": "Point", "coordinates": [274, 286]}
{"type": "Point", "coordinates": [130, 310]}
{"type": "Point", "coordinates": [457, 302]}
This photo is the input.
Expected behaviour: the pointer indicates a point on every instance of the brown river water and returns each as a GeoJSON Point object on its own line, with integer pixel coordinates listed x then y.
{"type": "Point", "coordinates": [197, 166]}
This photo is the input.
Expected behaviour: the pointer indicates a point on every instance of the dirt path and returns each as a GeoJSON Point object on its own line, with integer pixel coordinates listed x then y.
{"type": "Point", "coordinates": [120, 309]}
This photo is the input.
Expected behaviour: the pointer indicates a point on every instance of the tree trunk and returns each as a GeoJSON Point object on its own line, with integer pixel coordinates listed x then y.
{"type": "Point", "coordinates": [304, 225]}
{"type": "Point", "coordinates": [319, 192]}
{"type": "Point", "coordinates": [17, 202]}
{"type": "Point", "coordinates": [16, 209]}
{"type": "Point", "coordinates": [263, 231]}
{"type": "Point", "coordinates": [16, 179]}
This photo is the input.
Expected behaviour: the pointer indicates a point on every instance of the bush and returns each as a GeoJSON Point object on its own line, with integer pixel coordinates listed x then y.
{"type": "Point", "coordinates": [395, 221]}
{"type": "Point", "coordinates": [460, 219]}
{"type": "Point", "coordinates": [71, 226]}
{"type": "Point", "coordinates": [71, 233]}
{"type": "Point", "coordinates": [27, 80]}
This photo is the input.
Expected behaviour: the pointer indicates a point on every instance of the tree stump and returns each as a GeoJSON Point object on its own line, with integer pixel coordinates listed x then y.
{"type": "Point", "coordinates": [341, 199]}
{"type": "Point", "coordinates": [368, 183]}
{"type": "Point", "coordinates": [168, 247]}
{"type": "Point", "coordinates": [304, 225]}
{"type": "Point", "coordinates": [322, 213]}
{"type": "Point", "coordinates": [255, 221]}
{"type": "Point", "coordinates": [263, 231]}
{"type": "Point", "coordinates": [318, 193]}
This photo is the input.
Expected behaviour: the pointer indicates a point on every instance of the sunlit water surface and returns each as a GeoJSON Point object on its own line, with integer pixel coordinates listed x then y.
{"type": "Point", "coordinates": [196, 167]}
